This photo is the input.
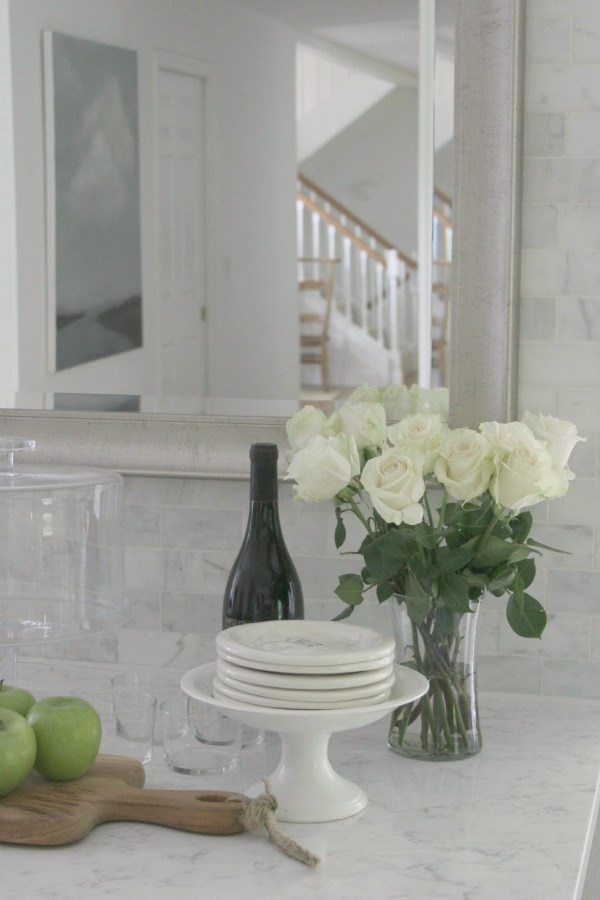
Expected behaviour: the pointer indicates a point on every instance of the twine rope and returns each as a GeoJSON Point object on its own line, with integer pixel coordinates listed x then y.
{"type": "Point", "coordinates": [260, 813]}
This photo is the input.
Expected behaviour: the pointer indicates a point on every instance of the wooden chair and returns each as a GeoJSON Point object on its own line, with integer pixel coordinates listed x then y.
{"type": "Point", "coordinates": [314, 342]}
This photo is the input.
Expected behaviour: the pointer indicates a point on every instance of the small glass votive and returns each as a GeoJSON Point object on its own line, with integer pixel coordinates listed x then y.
{"type": "Point", "coordinates": [130, 735]}
{"type": "Point", "coordinates": [135, 718]}
{"type": "Point", "coordinates": [160, 683]}
{"type": "Point", "coordinates": [197, 738]}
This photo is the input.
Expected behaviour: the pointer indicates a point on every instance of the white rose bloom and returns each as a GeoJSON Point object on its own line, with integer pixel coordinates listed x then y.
{"type": "Point", "coordinates": [395, 484]}
{"type": "Point", "coordinates": [422, 432]}
{"type": "Point", "coordinates": [506, 436]}
{"type": "Point", "coordinates": [525, 476]}
{"type": "Point", "coordinates": [324, 467]}
{"type": "Point", "coordinates": [464, 464]}
{"type": "Point", "coordinates": [364, 421]}
{"type": "Point", "coordinates": [366, 393]}
{"type": "Point", "coordinates": [303, 426]}
{"type": "Point", "coordinates": [559, 436]}
{"type": "Point", "coordinates": [431, 400]}
{"type": "Point", "coordinates": [397, 401]}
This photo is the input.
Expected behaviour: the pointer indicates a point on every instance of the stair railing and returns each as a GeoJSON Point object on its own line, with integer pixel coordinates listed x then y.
{"type": "Point", "coordinates": [374, 288]}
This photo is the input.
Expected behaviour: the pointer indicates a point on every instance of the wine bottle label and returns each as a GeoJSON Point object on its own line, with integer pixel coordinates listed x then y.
{"type": "Point", "coordinates": [229, 622]}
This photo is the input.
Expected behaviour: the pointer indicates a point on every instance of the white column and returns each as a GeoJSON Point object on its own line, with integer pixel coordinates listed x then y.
{"type": "Point", "coordinates": [425, 186]}
{"type": "Point", "coordinates": [9, 335]}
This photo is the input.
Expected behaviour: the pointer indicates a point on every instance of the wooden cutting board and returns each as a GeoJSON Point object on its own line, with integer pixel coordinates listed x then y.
{"type": "Point", "coordinates": [48, 813]}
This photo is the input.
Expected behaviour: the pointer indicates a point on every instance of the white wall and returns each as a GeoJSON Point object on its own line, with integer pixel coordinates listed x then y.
{"type": "Point", "coordinates": [253, 259]}
{"type": "Point", "coordinates": [372, 168]}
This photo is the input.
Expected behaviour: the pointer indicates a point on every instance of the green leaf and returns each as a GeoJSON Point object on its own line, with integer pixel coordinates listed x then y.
{"type": "Point", "coordinates": [521, 525]}
{"type": "Point", "coordinates": [446, 620]}
{"type": "Point", "coordinates": [500, 579]}
{"type": "Point", "coordinates": [424, 536]}
{"type": "Point", "coordinates": [384, 591]}
{"type": "Point", "coordinates": [454, 560]}
{"type": "Point", "coordinates": [495, 550]}
{"type": "Point", "coordinates": [350, 589]}
{"type": "Point", "coordinates": [417, 608]}
{"type": "Point", "coordinates": [366, 576]}
{"type": "Point", "coordinates": [343, 614]}
{"type": "Point", "coordinates": [519, 553]}
{"type": "Point", "coordinates": [526, 569]}
{"type": "Point", "coordinates": [532, 543]}
{"type": "Point", "coordinates": [527, 619]}
{"type": "Point", "coordinates": [454, 591]}
{"type": "Point", "coordinates": [339, 535]}
{"type": "Point", "coordinates": [420, 579]}
{"type": "Point", "coordinates": [388, 554]}
{"type": "Point", "coordinates": [475, 580]}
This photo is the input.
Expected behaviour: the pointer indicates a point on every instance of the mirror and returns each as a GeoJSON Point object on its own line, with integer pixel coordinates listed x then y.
{"type": "Point", "coordinates": [87, 297]}
{"type": "Point", "coordinates": [482, 363]}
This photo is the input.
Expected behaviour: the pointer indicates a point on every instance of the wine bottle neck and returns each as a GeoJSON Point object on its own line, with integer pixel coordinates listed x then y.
{"type": "Point", "coordinates": [263, 481]}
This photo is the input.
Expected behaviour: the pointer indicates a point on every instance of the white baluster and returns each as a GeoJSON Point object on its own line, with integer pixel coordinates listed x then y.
{"type": "Point", "coordinates": [379, 302]}
{"type": "Point", "coordinates": [395, 271]}
{"type": "Point", "coordinates": [316, 242]}
{"type": "Point", "coordinates": [347, 276]}
{"type": "Point", "coordinates": [364, 312]}
{"type": "Point", "coordinates": [300, 230]}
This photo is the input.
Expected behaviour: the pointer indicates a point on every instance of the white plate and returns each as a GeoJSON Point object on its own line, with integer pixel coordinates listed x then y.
{"type": "Point", "coordinates": [300, 681]}
{"type": "Point", "coordinates": [224, 691]}
{"type": "Point", "coordinates": [319, 695]}
{"type": "Point", "coordinates": [300, 642]}
{"type": "Point", "coordinates": [407, 687]}
{"type": "Point", "coordinates": [302, 669]}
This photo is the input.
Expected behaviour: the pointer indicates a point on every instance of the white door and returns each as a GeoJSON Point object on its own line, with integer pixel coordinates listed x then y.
{"type": "Point", "coordinates": [182, 245]}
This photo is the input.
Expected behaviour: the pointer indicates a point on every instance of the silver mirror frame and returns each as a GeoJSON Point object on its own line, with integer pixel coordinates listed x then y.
{"type": "Point", "coordinates": [483, 356]}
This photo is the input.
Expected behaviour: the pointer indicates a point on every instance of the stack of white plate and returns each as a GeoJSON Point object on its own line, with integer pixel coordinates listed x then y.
{"type": "Point", "coordinates": [301, 664]}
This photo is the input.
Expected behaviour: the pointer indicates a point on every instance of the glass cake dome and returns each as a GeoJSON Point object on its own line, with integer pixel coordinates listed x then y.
{"type": "Point", "coordinates": [61, 549]}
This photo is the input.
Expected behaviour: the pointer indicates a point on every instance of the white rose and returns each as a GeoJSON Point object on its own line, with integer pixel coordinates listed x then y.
{"type": "Point", "coordinates": [422, 432]}
{"type": "Point", "coordinates": [431, 400]}
{"type": "Point", "coordinates": [559, 436]}
{"type": "Point", "coordinates": [464, 464]}
{"type": "Point", "coordinates": [303, 426]}
{"type": "Point", "coordinates": [395, 485]}
{"type": "Point", "coordinates": [525, 476]}
{"type": "Point", "coordinates": [397, 401]}
{"type": "Point", "coordinates": [506, 436]}
{"type": "Point", "coordinates": [364, 421]}
{"type": "Point", "coordinates": [366, 393]}
{"type": "Point", "coordinates": [324, 467]}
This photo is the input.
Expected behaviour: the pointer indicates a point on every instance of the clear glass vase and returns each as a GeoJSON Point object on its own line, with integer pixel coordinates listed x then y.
{"type": "Point", "coordinates": [444, 723]}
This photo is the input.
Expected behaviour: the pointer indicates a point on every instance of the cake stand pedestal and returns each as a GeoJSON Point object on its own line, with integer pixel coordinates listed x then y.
{"type": "Point", "coordinates": [305, 784]}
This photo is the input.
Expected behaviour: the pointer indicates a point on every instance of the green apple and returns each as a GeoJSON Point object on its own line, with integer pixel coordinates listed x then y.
{"type": "Point", "coordinates": [17, 750]}
{"type": "Point", "coordinates": [15, 698]}
{"type": "Point", "coordinates": [68, 733]}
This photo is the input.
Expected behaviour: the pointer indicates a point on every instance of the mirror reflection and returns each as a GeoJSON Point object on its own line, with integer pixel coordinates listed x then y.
{"type": "Point", "coordinates": [278, 213]}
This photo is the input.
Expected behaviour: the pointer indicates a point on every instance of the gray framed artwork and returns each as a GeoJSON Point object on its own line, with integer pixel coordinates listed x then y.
{"type": "Point", "coordinates": [93, 201]}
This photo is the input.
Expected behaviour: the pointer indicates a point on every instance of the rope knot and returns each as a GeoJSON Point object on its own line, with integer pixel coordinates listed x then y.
{"type": "Point", "coordinates": [260, 812]}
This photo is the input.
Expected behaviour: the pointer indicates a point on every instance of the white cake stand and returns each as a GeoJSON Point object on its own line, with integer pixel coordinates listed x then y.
{"type": "Point", "coordinates": [305, 784]}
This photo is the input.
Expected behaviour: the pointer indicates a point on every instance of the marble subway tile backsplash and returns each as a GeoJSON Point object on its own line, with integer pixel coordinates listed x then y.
{"type": "Point", "coordinates": [179, 556]}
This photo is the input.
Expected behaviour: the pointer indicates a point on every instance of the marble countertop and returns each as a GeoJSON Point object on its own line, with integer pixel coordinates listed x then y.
{"type": "Point", "coordinates": [515, 821]}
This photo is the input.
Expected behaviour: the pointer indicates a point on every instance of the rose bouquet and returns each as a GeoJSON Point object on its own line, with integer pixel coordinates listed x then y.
{"type": "Point", "coordinates": [446, 519]}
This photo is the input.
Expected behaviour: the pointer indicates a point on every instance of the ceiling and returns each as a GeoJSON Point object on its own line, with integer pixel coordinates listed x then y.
{"type": "Point", "coordinates": [383, 30]}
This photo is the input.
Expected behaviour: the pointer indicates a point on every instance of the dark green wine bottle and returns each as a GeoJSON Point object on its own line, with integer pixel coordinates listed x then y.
{"type": "Point", "coordinates": [263, 583]}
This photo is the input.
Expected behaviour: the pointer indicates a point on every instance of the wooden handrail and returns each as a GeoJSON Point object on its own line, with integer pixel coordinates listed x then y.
{"type": "Point", "coordinates": [437, 214]}
{"type": "Point", "coordinates": [445, 198]}
{"type": "Point", "coordinates": [341, 229]}
{"type": "Point", "coordinates": [343, 210]}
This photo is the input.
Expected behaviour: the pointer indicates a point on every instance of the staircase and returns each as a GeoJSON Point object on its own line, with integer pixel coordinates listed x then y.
{"type": "Point", "coordinates": [374, 311]}
{"type": "Point", "coordinates": [373, 326]}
